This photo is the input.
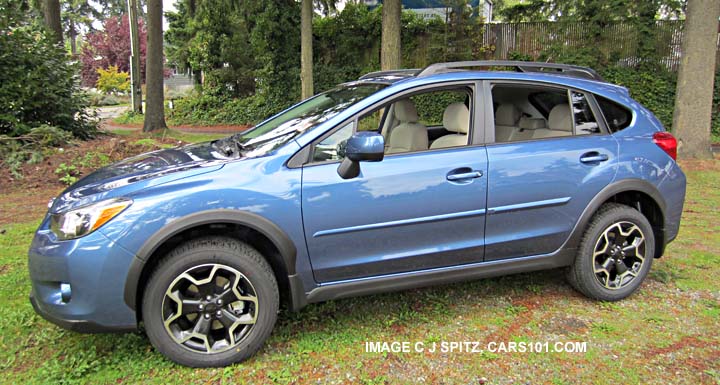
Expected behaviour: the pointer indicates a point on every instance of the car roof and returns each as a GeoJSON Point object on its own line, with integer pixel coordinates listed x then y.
{"type": "Point", "coordinates": [560, 74]}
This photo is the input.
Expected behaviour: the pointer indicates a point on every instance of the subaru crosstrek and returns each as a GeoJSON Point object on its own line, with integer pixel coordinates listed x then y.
{"type": "Point", "coordinates": [397, 180]}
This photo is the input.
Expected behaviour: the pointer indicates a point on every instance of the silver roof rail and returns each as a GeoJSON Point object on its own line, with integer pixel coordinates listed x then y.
{"type": "Point", "coordinates": [400, 72]}
{"type": "Point", "coordinates": [520, 66]}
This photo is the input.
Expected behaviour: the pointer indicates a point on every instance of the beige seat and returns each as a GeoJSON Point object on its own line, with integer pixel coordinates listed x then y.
{"type": "Point", "coordinates": [560, 123]}
{"type": "Point", "coordinates": [456, 118]}
{"type": "Point", "coordinates": [527, 127]}
{"type": "Point", "coordinates": [506, 119]}
{"type": "Point", "coordinates": [409, 135]}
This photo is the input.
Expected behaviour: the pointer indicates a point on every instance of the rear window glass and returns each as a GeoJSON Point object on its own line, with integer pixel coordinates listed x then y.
{"type": "Point", "coordinates": [617, 117]}
{"type": "Point", "coordinates": [545, 101]}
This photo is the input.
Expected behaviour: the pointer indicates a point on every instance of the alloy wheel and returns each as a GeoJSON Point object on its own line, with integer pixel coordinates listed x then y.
{"type": "Point", "coordinates": [210, 308]}
{"type": "Point", "coordinates": [619, 255]}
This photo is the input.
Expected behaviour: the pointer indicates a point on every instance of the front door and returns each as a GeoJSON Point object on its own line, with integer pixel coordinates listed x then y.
{"type": "Point", "coordinates": [401, 214]}
{"type": "Point", "coordinates": [422, 207]}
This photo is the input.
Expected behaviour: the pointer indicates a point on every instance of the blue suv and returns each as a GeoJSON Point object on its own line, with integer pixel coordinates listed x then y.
{"type": "Point", "coordinates": [397, 180]}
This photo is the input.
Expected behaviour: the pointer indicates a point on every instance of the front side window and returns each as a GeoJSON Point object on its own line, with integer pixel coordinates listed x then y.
{"type": "Point", "coordinates": [431, 106]}
{"type": "Point", "coordinates": [424, 121]}
{"type": "Point", "coordinates": [277, 131]}
{"type": "Point", "coordinates": [331, 148]}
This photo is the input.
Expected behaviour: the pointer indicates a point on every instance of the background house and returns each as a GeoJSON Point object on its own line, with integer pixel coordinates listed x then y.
{"type": "Point", "coordinates": [439, 8]}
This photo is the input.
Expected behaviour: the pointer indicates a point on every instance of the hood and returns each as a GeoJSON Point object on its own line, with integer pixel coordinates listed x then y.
{"type": "Point", "coordinates": [161, 164]}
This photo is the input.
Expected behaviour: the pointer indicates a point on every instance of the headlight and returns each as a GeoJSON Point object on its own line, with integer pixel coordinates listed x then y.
{"type": "Point", "coordinates": [84, 220]}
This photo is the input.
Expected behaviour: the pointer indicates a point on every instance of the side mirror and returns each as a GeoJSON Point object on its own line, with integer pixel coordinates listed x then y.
{"type": "Point", "coordinates": [361, 147]}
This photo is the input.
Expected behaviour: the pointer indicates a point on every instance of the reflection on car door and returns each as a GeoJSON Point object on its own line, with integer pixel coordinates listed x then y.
{"type": "Point", "coordinates": [408, 212]}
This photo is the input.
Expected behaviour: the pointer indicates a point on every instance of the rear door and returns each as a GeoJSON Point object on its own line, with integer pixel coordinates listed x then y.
{"type": "Point", "coordinates": [540, 183]}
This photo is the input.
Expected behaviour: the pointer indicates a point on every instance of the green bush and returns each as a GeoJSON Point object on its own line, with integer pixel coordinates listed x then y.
{"type": "Point", "coordinates": [208, 109]}
{"type": "Point", "coordinates": [39, 84]}
{"type": "Point", "coordinates": [30, 147]}
{"type": "Point", "coordinates": [111, 80]}
{"type": "Point", "coordinates": [655, 91]}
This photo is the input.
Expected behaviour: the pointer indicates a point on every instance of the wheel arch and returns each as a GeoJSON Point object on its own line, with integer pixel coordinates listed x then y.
{"type": "Point", "coordinates": [259, 232]}
{"type": "Point", "coordinates": [636, 193]}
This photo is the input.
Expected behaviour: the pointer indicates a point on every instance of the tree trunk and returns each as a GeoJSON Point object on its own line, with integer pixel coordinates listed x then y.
{"type": "Point", "coordinates": [306, 55]}
{"type": "Point", "coordinates": [155, 103]}
{"type": "Point", "coordinates": [72, 36]}
{"type": "Point", "coordinates": [694, 97]}
{"type": "Point", "coordinates": [135, 80]}
{"type": "Point", "coordinates": [51, 12]}
{"type": "Point", "coordinates": [390, 50]}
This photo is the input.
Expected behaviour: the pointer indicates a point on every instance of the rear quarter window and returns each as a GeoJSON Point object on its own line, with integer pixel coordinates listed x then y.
{"type": "Point", "coordinates": [616, 116]}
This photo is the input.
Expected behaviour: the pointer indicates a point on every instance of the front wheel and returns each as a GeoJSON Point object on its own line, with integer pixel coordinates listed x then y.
{"type": "Point", "coordinates": [210, 302]}
{"type": "Point", "coordinates": [615, 254]}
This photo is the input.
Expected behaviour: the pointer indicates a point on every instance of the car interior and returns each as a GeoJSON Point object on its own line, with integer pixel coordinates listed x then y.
{"type": "Point", "coordinates": [528, 112]}
{"type": "Point", "coordinates": [441, 119]}
{"type": "Point", "coordinates": [407, 130]}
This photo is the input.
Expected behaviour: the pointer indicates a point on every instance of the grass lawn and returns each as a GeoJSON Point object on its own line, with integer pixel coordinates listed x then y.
{"type": "Point", "coordinates": [668, 333]}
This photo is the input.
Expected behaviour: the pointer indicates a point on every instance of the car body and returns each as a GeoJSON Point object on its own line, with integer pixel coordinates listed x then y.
{"type": "Point", "coordinates": [408, 219]}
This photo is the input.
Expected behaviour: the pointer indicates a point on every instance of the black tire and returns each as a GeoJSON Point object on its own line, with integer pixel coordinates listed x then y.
{"type": "Point", "coordinates": [614, 218]}
{"type": "Point", "coordinates": [229, 255]}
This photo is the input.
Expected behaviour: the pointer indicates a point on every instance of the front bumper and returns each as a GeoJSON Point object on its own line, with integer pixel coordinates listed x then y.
{"type": "Point", "coordinates": [79, 326]}
{"type": "Point", "coordinates": [78, 284]}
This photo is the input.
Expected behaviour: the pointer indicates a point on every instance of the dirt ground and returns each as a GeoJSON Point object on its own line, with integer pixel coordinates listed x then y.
{"type": "Point", "coordinates": [29, 195]}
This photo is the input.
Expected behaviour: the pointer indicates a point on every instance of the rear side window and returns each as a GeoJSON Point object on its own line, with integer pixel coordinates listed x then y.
{"type": "Point", "coordinates": [585, 122]}
{"type": "Point", "coordinates": [617, 117]}
{"type": "Point", "coordinates": [545, 101]}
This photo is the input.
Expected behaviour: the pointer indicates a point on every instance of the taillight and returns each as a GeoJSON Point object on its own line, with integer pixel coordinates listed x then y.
{"type": "Point", "coordinates": [667, 142]}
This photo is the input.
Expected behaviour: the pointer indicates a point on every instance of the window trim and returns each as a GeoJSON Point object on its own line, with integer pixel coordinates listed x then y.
{"type": "Point", "coordinates": [302, 157]}
{"type": "Point", "coordinates": [490, 126]}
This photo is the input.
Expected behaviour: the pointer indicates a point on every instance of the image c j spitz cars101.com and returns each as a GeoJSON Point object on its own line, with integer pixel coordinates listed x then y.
{"type": "Point", "coordinates": [360, 190]}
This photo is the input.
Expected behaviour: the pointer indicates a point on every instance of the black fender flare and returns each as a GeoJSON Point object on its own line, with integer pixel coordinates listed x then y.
{"type": "Point", "coordinates": [608, 192]}
{"type": "Point", "coordinates": [277, 236]}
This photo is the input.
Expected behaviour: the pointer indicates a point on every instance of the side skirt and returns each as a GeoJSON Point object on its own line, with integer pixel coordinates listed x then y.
{"type": "Point", "coordinates": [403, 281]}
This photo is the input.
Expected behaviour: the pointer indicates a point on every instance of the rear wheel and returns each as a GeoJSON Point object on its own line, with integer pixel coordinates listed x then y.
{"type": "Point", "coordinates": [615, 254]}
{"type": "Point", "coordinates": [211, 302]}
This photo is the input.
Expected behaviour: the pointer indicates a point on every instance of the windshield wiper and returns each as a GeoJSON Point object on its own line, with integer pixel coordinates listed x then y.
{"type": "Point", "coordinates": [229, 146]}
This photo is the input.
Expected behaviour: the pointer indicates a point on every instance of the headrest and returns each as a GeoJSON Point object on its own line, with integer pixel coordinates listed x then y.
{"type": "Point", "coordinates": [560, 118]}
{"type": "Point", "coordinates": [507, 115]}
{"type": "Point", "coordinates": [405, 111]}
{"type": "Point", "coordinates": [532, 123]}
{"type": "Point", "coordinates": [456, 118]}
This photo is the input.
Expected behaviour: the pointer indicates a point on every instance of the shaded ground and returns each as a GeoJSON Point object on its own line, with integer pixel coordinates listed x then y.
{"type": "Point", "coordinates": [666, 334]}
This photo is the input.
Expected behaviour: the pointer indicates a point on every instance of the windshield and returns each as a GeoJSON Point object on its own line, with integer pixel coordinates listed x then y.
{"type": "Point", "coordinates": [277, 131]}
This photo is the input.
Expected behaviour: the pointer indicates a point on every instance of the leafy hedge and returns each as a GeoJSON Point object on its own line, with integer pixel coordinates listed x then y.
{"type": "Point", "coordinates": [655, 91]}
{"type": "Point", "coordinates": [205, 109]}
{"type": "Point", "coordinates": [39, 84]}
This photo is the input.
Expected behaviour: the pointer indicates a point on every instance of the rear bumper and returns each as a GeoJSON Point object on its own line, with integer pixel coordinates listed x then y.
{"type": "Point", "coordinates": [673, 189]}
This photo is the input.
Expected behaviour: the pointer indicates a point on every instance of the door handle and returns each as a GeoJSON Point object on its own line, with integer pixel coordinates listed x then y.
{"type": "Point", "coordinates": [464, 175]}
{"type": "Point", "coordinates": [593, 157]}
